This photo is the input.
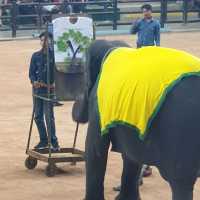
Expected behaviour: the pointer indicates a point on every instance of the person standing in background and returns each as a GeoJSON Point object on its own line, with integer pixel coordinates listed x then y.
{"type": "Point", "coordinates": [147, 28]}
{"type": "Point", "coordinates": [1, 8]}
{"type": "Point", "coordinates": [148, 32]}
{"type": "Point", "coordinates": [2, 2]}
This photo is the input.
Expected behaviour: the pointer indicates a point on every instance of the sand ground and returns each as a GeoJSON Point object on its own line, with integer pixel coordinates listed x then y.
{"type": "Point", "coordinates": [18, 183]}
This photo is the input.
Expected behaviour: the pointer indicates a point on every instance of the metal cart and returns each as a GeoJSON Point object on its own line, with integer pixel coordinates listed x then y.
{"type": "Point", "coordinates": [68, 86]}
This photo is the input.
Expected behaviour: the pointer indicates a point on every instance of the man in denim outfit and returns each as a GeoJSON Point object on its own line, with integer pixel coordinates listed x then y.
{"type": "Point", "coordinates": [148, 31]}
{"type": "Point", "coordinates": [147, 28]}
{"type": "Point", "coordinates": [43, 108]}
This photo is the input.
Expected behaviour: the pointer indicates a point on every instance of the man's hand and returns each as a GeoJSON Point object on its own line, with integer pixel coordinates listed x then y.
{"type": "Point", "coordinates": [52, 86]}
{"type": "Point", "coordinates": [36, 84]}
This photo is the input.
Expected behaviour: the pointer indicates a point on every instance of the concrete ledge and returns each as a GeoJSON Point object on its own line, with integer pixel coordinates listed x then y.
{"type": "Point", "coordinates": [4, 39]}
{"type": "Point", "coordinates": [108, 33]}
{"type": "Point", "coordinates": [127, 32]}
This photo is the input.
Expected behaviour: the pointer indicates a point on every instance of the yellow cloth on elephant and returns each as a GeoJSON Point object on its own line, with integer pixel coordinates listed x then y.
{"type": "Point", "coordinates": [133, 84]}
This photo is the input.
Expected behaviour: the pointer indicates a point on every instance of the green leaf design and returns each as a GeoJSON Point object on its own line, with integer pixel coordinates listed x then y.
{"type": "Point", "coordinates": [61, 46]}
{"type": "Point", "coordinates": [65, 36]}
{"type": "Point", "coordinates": [75, 36]}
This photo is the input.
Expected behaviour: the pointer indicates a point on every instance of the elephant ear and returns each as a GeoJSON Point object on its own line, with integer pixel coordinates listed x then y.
{"type": "Point", "coordinates": [80, 110]}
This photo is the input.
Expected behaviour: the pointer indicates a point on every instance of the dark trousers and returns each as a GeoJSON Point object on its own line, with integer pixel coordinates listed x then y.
{"type": "Point", "coordinates": [44, 119]}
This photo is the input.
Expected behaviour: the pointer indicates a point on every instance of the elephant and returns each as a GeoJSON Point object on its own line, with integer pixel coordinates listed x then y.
{"type": "Point", "coordinates": [172, 143]}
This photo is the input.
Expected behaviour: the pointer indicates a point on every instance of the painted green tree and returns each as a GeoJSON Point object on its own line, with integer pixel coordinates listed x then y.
{"type": "Point", "coordinates": [65, 44]}
{"type": "Point", "coordinates": [74, 36]}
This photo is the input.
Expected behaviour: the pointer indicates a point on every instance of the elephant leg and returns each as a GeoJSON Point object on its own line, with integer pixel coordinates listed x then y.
{"type": "Point", "coordinates": [96, 159]}
{"type": "Point", "coordinates": [129, 180]}
{"type": "Point", "coordinates": [182, 190]}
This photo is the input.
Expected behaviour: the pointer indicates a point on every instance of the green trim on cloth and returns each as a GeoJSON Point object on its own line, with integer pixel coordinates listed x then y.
{"type": "Point", "coordinates": [195, 71]}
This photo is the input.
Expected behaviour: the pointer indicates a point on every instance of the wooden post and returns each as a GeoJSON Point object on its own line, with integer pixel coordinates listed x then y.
{"type": "Point", "coordinates": [115, 12]}
{"type": "Point", "coordinates": [185, 11]}
{"type": "Point", "coordinates": [14, 18]}
{"type": "Point", "coordinates": [163, 12]}
{"type": "Point", "coordinates": [39, 7]}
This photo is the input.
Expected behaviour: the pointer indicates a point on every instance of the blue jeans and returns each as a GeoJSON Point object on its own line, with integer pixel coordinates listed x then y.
{"type": "Point", "coordinates": [44, 110]}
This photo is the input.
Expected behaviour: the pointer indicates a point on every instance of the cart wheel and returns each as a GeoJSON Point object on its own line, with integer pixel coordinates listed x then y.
{"type": "Point", "coordinates": [30, 162]}
{"type": "Point", "coordinates": [51, 170]}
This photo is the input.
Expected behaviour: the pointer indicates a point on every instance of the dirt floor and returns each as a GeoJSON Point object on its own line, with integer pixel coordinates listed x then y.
{"type": "Point", "coordinates": [18, 183]}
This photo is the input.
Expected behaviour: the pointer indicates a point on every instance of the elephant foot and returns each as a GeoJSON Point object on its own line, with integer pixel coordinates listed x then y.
{"type": "Point", "coordinates": [118, 188]}
{"type": "Point", "coordinates": [182, 189]}
{"type": "Point", "coordinates": [118, 198]}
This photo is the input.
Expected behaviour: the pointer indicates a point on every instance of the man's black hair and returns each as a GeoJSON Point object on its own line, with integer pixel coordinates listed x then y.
{"type": "Point", "coordinates": [147, 7]}
{"type": "Point", "coordinates": [44, 34]}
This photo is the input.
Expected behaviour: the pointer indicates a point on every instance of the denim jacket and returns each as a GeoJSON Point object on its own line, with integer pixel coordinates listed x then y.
{"type": "Point", "coordinates": [38, 68]}
{"type": "Point", "coordinates": [148, 32]}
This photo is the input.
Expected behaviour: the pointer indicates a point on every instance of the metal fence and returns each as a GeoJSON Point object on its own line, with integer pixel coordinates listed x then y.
{"type": "Point", "coordinates": [104, 13]}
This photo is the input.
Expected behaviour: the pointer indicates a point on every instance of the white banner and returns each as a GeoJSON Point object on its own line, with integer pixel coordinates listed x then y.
{"type": "Point", "coordinates": [71, 39]}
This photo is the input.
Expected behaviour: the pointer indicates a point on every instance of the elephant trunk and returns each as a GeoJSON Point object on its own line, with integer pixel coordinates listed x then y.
{"type": "Point", "coordinates": [80, 110]}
